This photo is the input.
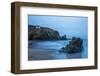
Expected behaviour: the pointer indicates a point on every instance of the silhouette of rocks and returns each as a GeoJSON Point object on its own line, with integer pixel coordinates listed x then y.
{"type": "Point", "coordinates": [42, 33]}
{"type": "Point", "coordinates": [63, 37]}
{"type": "Point", "coordinates": [74, 46]}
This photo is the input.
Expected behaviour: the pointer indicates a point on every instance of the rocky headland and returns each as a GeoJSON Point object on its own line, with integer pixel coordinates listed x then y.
{"type": "Point", "coordinates": [43, 33]}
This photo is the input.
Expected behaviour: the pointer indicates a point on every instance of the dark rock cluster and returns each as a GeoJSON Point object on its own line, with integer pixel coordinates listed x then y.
{"type": "Point", "coordinates": [63, 37]}
{"type": "Point", "coordinates": [74, 46]}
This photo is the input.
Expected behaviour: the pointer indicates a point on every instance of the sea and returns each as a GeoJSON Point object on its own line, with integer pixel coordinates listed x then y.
{"type": "Point", "coordinates": [49, 50]}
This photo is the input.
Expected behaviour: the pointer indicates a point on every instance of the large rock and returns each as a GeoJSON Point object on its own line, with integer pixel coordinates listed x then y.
{"type": "Point", "coordinates": [42, 33]}
{"type": "Point", "coordinates": [74, 46]}
{"type": "Point", "coordinates": [63, 37]}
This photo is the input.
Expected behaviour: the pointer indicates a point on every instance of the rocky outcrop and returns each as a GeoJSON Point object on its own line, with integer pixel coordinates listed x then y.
{"type": "Point", "coordinates": [74, 46]}
{"type": "Point", "coordinates": [63, 37]}
{"type": "Point", "coordinates": [42, 33]}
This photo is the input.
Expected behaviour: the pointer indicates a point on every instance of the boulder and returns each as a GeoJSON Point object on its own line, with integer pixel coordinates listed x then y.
{"type": "Point", "coordinates": [74, 46]}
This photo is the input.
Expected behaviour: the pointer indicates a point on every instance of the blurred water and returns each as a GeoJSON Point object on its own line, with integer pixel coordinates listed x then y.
{"type": "Point", "coordinates": [51, 48]}
{"type": "Point", "coordinates": [49, 44]}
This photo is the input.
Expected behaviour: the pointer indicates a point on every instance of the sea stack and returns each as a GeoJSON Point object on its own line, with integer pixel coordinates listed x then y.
{"type": "Point", "coordinates": [74, 46]}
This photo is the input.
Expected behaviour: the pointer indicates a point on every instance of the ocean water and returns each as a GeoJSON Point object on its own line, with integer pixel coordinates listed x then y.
{"type": "Point", "coordinates": [49, 50]}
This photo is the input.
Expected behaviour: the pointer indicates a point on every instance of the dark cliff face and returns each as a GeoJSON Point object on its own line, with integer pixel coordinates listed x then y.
{"type": "Point", "coordinates": [42, 33]}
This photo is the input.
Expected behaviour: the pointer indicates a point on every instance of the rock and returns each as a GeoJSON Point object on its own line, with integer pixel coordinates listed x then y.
{"type": "Point", "coordinates": [63, 37]}
{"type": "Point", "coordinates": [42, 33]}
{"type": "Point", "coordinates": [74, 46]}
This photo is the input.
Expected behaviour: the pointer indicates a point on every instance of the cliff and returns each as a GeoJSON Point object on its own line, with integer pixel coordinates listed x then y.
{"type": "Point", "coordinates": [42, 33]}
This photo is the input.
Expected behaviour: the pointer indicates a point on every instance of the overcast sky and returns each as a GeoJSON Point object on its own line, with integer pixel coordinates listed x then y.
{"type": "Point", "coordinates": [69, 25]}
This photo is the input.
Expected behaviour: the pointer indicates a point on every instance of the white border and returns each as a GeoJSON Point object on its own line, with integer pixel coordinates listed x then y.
{"type": "Point", "coordinates": [25, 64]}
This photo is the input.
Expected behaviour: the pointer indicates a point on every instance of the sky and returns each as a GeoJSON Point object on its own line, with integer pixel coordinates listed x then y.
{"type": "Point", "coordinates": [71, 26]}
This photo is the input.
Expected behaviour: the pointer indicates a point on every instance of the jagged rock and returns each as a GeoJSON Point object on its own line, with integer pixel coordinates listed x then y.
{"type": "Point", "coordinates": [42, 33]}
{"type": "Point", "coordinates": [63, 37]}
{"type": "Point", "coordinates": [74, 46]}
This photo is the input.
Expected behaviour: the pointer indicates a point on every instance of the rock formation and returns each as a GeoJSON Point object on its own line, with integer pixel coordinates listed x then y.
{"type": "Point", "coordinates": [74, 46]}
{"type": "Point", "coordinates": [63, 37]}
{"type": "Point", "coordinates": [42, 33]}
